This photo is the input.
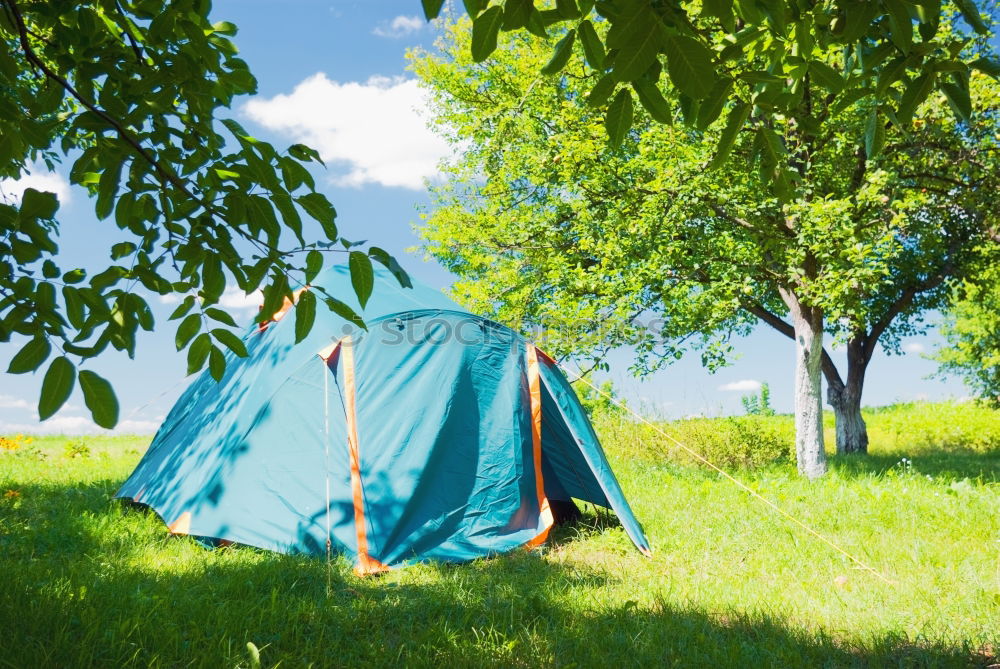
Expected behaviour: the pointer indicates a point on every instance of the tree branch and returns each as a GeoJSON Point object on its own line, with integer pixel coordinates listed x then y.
{"type": "Point", "coordinates": [829, 367]}
{"type": "Point", "coordinates": [32, 57]}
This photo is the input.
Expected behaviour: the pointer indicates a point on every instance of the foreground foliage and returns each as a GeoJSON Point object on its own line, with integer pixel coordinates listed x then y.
{"type": "Point", "coordinates": [87, 582]}
{"type": "Point", "coordinates": [720, 55]}
{"type": "Point", "coordinates": [132, 96]}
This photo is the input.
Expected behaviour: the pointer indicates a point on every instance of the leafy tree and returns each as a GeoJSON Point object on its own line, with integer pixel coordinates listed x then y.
{"type": "Point", "coordinates": [972, 330]}
{"type": "Point", "coordinates": [759, 404]}
{"type": "Point", "coordinates": [705, 47]}
{"type": "Point", "coordinates": [129, 92]}
{"type": "Point", "coordinates": [646, 245]}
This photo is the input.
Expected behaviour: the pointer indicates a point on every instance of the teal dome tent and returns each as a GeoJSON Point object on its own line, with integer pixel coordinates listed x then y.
{"type": "Point", "coordinates": [433, 435]}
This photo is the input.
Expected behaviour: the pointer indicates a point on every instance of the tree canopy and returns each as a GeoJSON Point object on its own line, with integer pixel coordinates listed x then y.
{"type": "Point", "coordinates": [755, 61]}
{"type": "Point", "coordinates": [656, 244]}
{"type": "Point", "coordinates": [131, 94]}
{"type": "Point", "coordinates": [972, 329]}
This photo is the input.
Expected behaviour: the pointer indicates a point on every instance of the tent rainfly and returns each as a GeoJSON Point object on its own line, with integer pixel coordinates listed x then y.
{"type": "Point", "coordinates": [434, 435]}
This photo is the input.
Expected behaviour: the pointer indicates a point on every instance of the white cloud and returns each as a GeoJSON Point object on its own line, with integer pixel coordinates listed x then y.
{"type": "Point", "coordinates": [232, 298]}
{"type": "Point", "coordinates": [401, 26]}
{"type": "Point", "coordinates": [137, 427]}
{"type": "Point", "coordinates": [745, 385]}
{"type": "Point", "coordinates": [39, 178]}
{"type": "Point", "coordinates": [377, 128]}
{"type": "Point", "coordinates": [11, 402]}
{"type": "Point", "coordinates": [235, 298]}
{"type": "Point", "coordinates": [914, 347]}
{"type": "Point", "coordinates": [72, 425]}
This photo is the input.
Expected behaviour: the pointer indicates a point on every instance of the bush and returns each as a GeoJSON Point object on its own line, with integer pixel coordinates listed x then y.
{"type": "Point", "coordinates": [733, 442]}
{"type": "Point", "coordinates": [927, 426]}
{"type": "Point", "coordinates": [598, 400]}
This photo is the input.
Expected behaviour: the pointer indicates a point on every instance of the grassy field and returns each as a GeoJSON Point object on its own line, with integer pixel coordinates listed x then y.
{"type": "Point", "coordinates": [85, 582]}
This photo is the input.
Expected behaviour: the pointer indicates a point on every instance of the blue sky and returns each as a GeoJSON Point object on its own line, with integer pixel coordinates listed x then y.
{"type": "Point", "coordinates": [334, 75]}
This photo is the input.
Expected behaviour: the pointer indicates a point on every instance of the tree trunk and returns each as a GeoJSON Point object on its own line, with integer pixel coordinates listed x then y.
{"type": "Point", "coordinates": [808, 324]}
{"type": "Point", "coordinates": [852, 433]}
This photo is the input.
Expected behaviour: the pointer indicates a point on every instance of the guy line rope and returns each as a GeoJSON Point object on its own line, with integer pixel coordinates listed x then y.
{"type": "Point", "coordinates": [753, 493]}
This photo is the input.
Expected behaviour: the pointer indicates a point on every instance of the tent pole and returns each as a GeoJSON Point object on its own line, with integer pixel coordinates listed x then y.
{"type": "Point", "coordinates": [326, 468]}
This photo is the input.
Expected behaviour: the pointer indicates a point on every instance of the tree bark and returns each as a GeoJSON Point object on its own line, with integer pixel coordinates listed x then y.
{"type": "Point", "coordinates": [808, 325]}
{"type": "Point", "coordinates": [845, 398]}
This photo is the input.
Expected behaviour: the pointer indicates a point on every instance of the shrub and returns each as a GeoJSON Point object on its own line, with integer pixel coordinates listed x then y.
{"type": "Point", "coordinates": [733, 442]}
{"type": "Point", "coordinates": [927, 426]}
{"type": "Point", "coordinates": [600, 400]}
{"type": "Point", "coordinates": [76, 449]}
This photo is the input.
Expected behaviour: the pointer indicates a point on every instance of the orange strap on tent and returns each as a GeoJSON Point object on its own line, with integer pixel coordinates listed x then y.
{"type": "Point", "coordinates": [366, 563]}
{"type": "Point", "coordinates": [182, 525]}
{"type": "Point", "coordinates": [535, 392]}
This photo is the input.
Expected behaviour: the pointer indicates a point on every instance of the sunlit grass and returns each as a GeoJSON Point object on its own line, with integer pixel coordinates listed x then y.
{"type": "Point", "coordinates": [85, 582]}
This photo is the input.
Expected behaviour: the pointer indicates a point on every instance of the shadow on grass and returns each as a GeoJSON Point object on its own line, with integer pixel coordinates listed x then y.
{"type": "Point", "coordinates": [87, 583]}
{"type": "Point", "coordinates": [948, 465]}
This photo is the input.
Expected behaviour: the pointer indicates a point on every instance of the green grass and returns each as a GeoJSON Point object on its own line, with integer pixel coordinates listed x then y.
{"type": "Point", "coordinates": [85, 582]}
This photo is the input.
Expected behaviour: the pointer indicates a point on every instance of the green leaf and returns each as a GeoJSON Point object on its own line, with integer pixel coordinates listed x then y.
{"type": "Point", "coordinates": [38, 204]}
{"type": "Point", "coordinates": [567, 8]}
{"type": "Point", "coordinates": [618, 120]}
{"type": "Point", "coordinates": [737, 118]}
{"type": "Point", "coordinates": [182, 308]}
{"type": "Point", "coordinates": [31, 356]}
{"type": "Point", "coordinates": [188, 328]}
{"type": "Point", "coordinates": [60, 378]}
{"type": "Point", "coordinates": [858, 17]}
{"type": "Point", "coordinates": [653, 101]}
{"type": "Point", "coordinates": [314, 264]}
{"type": "Point", "coordinates": [637, 44]}
{"type": "Point", "coordinates": [515, 13]}
{"type": "Point", "coordinates": [198, 352]}
{"type": "Point", "coordinates": [771, 148]}
{"type": "Point", "coordinates": [485, 28]}
{"type": "Point", "coordinates": [289, 215]}
{"type": "Point", "coordinates": [122, 249]}
{"type": "Point", "coordinates": [319, 208]}
{"type": "Point", "coordinates": [760, 77]}
{"type": "Point", "coordinates": [344, 311]}
{"type": "Point", "coordinates": [561, 54]}
{"type": "Point", "coordinates": [231, 341]}
{"type": "Point", "coordinates": [689, 64]}
{"type": "Point", "coordinates": [971, 14]}
{"type": "Point", "coordinates": [988, 64]}
{"type": "Point", "coordinates": [213, 280]}
{"type": "Point", "coordinates": [890, 74]}
{"type": "Point", "coordinates": [107, 189]}
{"type": "Point", "coordinates": [216, 364]}
{"type": "Point", "coordinates": [959, 100]}
{"type": "Point", "coordinates": [304, 153]}
{"type": "Point", "coordinates": [826, 76]}
{"type": "Point", "coordinates": [593, 47]}
{"type": "Point", "coordinates": [220, 316]}
{"type": "Point", "coordinates": [712, 105]}
{"type": "Point", "coordinates": [601, 91]}
{"type": "Point", "coordinates": [720, 9]}
{"type": "Point", "coordinates": [305, 314]}
{"type": "Point", "coordinates": [473, 7]}
{"type": "Point", "coordinates": [915, 93]}
{"type": "Point", "coordinates": [900, 25]}
{"type": "Point", "coordinates": [874, 134]}
{"type": "Point", "coordinates": [225, 28]}
{"type": "Point", "coordinates": [432, 8]}
{"type": "Point", "coordinates": [383, 257]}
{"type": "Point", "coordinates": [362, 276]}
{"type": "Point", "coordinates": [100, 398]}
